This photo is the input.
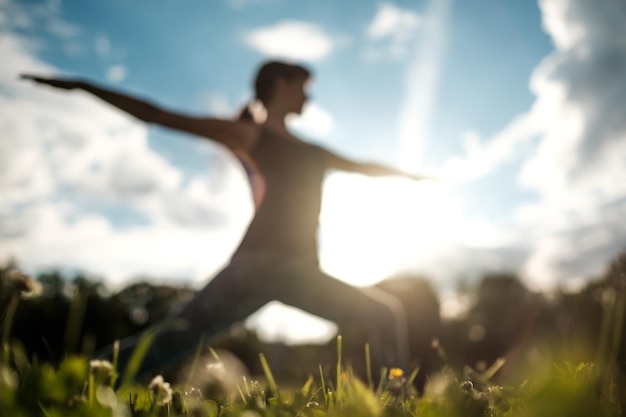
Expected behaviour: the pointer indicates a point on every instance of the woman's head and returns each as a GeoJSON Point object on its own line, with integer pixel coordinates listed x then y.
{"type": "Point", "coordinates": [274, 72]}
{"type": "Point", "coordinates": [277, 80]}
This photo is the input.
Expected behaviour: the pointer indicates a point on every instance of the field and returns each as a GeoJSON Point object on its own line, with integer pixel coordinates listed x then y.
{"type": "Point", "coordinates": [79, 387]}
{"type": "Point", "coordinates": [578, 371]}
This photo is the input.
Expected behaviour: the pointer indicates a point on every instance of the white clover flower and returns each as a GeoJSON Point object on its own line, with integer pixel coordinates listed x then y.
{"type": "Point", "coordinates": [194, 395]}
{"type": "Point", "coordinates": [23, 283]}
{"type": "Point", "coordinates": [161, 390]}
{"type": "Point", "coordinates": [101, 369]}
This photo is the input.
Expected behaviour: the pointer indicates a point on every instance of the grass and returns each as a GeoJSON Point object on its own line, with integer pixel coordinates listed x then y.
{"type": "Point", "coordinates": [79, 387]}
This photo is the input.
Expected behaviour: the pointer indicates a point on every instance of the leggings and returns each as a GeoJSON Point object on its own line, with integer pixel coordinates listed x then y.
{"type": "Point", "coordinates": [252, 280]}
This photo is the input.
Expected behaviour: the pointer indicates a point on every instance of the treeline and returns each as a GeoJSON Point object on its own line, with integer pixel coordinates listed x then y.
{"type": "Point", "coordinates": [504, 319]}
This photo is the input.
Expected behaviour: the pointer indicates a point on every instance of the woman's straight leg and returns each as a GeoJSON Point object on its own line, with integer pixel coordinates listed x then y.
{"type": "Point", "coordinates": [383, 316]}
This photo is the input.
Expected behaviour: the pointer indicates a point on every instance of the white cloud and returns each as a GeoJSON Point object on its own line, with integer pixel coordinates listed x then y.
{"type": "Point", "coordinates": [575, 138]}
{"type": "Point", "coordinates": [15, 17]}
{"type": "Point", "coordinates": [21, 60]}
{"type": "Point", "coordinates": [292, 39]}
{"type": "Point", "coordinates": [391, 21]}
{"type": "Point", "coordinates": [564, 32]}
{"type": "Point", "coordinates": [242, 4]}
{"type": "Point", "coordinates": [98, 153]}
{"type": "Point", "coordinates": [390, 32]}
{"type": "Point", "coordinates": [580, 154]}
{"type": "Point", "coordinates": [90, 243]}
{"type": "Point", "coordinates": [63, 29]}
{"type": "Point", "coordinates": [41, 16]}
{"type": "Point", "coordinates": [218, 105]}
{"type": "Point", "coordinates": [482, 157]}
{"type": "Point", "coordinates": [102, 45]}
{"type": "Point", "coordinates": [58, 148]}
{"type": "Point", "coordinates": [106, 50]}
{"type": "Point", "coordinates": [314, 122]}
{"type": "Point", "coordinates": [116, 73]}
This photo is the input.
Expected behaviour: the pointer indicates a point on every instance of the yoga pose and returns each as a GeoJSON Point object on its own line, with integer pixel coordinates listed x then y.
{"type": "Point", "coordinates": [277, 258]}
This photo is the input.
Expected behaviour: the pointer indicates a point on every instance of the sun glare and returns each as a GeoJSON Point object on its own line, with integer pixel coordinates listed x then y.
{"type": "Point", "coordinates": [374, 227]}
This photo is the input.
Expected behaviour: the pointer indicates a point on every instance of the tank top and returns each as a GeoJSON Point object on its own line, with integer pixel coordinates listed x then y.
{"type": "Point", "coordinates": [286, 176]}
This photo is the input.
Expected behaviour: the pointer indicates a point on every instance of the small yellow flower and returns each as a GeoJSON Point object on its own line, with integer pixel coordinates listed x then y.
{"type": "Point", "coordinates": [396, 373]}
{"type": "Point", "coordinates": [396, 382]}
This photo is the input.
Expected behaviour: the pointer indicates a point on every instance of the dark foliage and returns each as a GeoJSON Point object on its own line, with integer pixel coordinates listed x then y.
{"type": "Point", "coordinates": [504, 320]}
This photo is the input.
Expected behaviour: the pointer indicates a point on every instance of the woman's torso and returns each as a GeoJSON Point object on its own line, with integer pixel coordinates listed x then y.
{"type": "Point", "coordinates": [292, 173]}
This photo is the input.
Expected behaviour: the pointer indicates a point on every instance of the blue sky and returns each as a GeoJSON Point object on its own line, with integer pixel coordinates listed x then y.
{"type": "Point", "coordinates": [519, 107]}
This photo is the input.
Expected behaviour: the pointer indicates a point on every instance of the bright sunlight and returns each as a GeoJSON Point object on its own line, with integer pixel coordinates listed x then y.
{"type": "Point", "coordinates": [371, 228]}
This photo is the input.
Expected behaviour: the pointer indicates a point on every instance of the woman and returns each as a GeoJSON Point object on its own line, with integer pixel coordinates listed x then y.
{"type": "Point", "coordinates": [277, 258]}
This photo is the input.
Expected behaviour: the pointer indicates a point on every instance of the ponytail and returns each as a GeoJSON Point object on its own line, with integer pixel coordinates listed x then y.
{"type": "Point", "coordinates": [253, 112]}
{"type": "Point", "coordinates": [245, 115]}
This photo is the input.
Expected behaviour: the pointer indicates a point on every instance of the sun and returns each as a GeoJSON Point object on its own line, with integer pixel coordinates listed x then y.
{"type": "Point", "coordinates": [369, 229]}
{"type": "Point", "coordinates": [372, 227]}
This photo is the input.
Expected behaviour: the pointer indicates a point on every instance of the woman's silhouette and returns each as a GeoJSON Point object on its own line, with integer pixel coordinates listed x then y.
{"type": "Point", "coordinates": [277, 258]}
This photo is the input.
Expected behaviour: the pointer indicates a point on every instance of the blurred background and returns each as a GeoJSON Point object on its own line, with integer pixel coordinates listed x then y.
{"type": "Point", "coordinates": [518, 107]}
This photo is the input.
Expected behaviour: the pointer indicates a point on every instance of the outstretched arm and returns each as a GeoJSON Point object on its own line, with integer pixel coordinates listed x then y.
{"type": "Point", "coordinates": [372, 169]}
{"type": "Point", "coordinates": [237, 136]}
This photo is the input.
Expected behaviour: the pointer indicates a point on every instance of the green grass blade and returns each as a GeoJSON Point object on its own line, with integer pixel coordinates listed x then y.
{"type": "Point", "coordinates": [493, 369]}
{"type": "Point", "coordinates": [7, 323]}
{"type": "Point", "coordinates": [194, 364]}
{"type": "Point", "coordinates": [605, 327]}
{"type": "Point", "coordinates": [381, 382]}
{"type": "Point", "coordinates": [137, 357]}
{"type": "Point", "coordinates": [241, 394]}
{"type": "Point", "coordinates": [339, 360]}
{"type": "Point", "coordinates": [368, 367]}
{"type": "Point", "coordinates": [268, 374]}
{"type": "Point", "coordinates": [412, 377]}
{"type": "Point", "coordinates": [618, 324]}
{"type": "Point", "coordinates": [75, 318]}
{"type": "Point", "coordinates": [306, 388]}
{"type": "Point", "coordinates": [215, 355]}
{"type": "Point", "coordinates": [323, 381]}
{"type": "Point", "coordinates": [246, 385]}
{"type": "Point", "coordinates": [116, 358]}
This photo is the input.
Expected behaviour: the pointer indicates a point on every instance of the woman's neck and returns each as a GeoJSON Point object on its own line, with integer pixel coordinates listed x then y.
{"type": "Point", "coordinates": [276, 122]}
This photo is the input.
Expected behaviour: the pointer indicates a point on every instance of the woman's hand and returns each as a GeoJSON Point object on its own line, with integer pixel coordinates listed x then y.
{"type": "Point", "coordinates": [422, 177]}
{"type": "Point", "coordinates": [66, 84]}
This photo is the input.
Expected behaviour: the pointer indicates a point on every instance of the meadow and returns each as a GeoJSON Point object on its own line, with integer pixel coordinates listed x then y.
{"type": "Point", "coordinates": [563, 376]}
{"type": "Point", "coordinates": [78, 387]}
